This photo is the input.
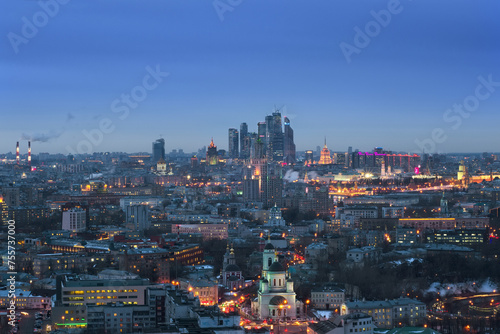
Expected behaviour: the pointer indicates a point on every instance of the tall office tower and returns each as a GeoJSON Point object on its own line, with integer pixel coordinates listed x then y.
{"type": "Point", "coordinates": [212, 155]}
{"type": "Point", "coordinates": [233, 143]}
{"type": "Point", "coordinates": [158, 150]}
{"type": "Point", "coordinates": [244, 141]}
{"type": "Point", "coordinates": [252, 138]}
{"type": "Point", "coordinates": [349, 157]}
{"type": "Point", "coordinates": [379, 156]}
{"type": "Point", "coordinates": [274, 137]}
{"type": "Point", "coordinates": [269, 136]}
{"type": "Point", "coordinates": [288, 145]}
{"type": "Point", "coordinates": [261, 131]}
{"type": "Point", "coordinates": [272, 185]}
{"type": "Point", "coordinates": [251, 183]}
{"type": "Point", "coordinates": [461, 170]}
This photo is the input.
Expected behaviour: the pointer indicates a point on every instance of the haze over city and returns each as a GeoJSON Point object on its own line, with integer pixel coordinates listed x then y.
{"type": "Point", "coordinates": [249, 167]}
{"type": "Point", "coordinates": [236, 64]}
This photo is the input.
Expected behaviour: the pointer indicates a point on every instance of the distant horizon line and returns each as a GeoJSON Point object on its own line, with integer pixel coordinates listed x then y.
{"type": "Point", "coordinates": [194, 152]}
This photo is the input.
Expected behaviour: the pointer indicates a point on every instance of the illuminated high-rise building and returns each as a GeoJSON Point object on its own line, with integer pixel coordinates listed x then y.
{"type": "Point", "coordinates": [274, 137]}
{"type": "Point", "coordinates": [348, 162]}
{"type": "Point", "coordinates": [272, 185]}
{"type": "Point", "coordinates": [259, 149]}
{"type": "Point", "coordinates": [325, 158]}
{"type": "Point", "coordinates": [244, 141]}
{"type": "Point", "coordinates": [158, 150]}
{"type": "Point", "coordinates": [261, 131]}
{"type": "Point", "coordinates": [233, 143]}
{"type": "Point", "coordinates": [288, 144]}
{"type": "Point", "coordinates": [461, 170]}
{"type": "Point", "coordinates": [4, 211]}
{"type": "Point", "coordinates": [309, 157]}
{"type": "Point", "coordinates": [212, 155]}
{"type": "Point", "coordinates": [339, 158]}
{"type": "Point", "coordinates": [194, 161]}
{"type": "Point", "coordinates": [74, 220]}
{"type": "Point", "coordinates": [251, 184]}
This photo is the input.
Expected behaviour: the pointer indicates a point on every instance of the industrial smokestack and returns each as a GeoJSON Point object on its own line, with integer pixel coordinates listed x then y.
{"type": "Point", "coordinates": [17, 153]}
{"type": "Point", "coordinates": [29, 153]}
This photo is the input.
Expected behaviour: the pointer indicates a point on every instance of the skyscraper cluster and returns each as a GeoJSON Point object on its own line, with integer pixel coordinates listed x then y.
{"type": "Point", "coordinates": [269, 142]}
{"type": "Point", "coordinates": [265, 151]}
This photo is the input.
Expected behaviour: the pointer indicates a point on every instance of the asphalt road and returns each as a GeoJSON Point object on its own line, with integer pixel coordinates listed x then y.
{"type": "Point", "coordinates": [27, 322]}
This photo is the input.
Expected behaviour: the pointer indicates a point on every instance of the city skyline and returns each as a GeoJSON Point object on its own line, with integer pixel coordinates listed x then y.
{"type": "Point", "coordinates": [202, 70]}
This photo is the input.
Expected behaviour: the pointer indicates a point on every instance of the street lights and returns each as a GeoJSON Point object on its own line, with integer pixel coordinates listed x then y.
{"type": "Point", "coordinates": [307, 303]}
{"type": "Point", "coordinates": [280, 311]}
{"type": "Point", "coordinates": [289, 307]}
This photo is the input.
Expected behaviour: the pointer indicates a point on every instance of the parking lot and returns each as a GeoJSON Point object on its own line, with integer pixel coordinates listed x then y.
{"type": "Point", "coordinates": [30, 324]}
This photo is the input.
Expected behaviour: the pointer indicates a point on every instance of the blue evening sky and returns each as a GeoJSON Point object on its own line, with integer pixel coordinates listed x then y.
{"type": "Point", "coordinates": [234, 63]}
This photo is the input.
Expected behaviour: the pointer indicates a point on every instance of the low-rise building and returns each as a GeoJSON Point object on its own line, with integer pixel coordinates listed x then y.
{"type": "Point", "coordinates": [458, 236]}
{"type": "Point", "coordinates": [205, 290]}
{"type": "Point", "coordinates": [389, 313]}
{"type": "Point", "coordinates": [444, 223]}
{"type": "Point", "coordinates": [74, 291]}
{"type": "Point", "coordinates": [208, 231]}
{"type": "Point", "coordinates": [393, 212]}
{"type": "Point", "coordinates": [367, 253]}
{"type": "Point", "coordinates": [327, 298]}
{"type": "Point", "coordinates": [45, 264]}
{"type": "Point", "coordinates": [120, 318]}
{"type": "Point", "coordinates": [316, 254]}
{"type": "Point", "coordinates": [152, 263]}
{"type": "Point", "coordinates": [406, 236]}
{"type": "Point", "coordinates": [448, 249]}
{"type": "Point", "coordinates": [346, 324]}
{"type": "Point", "coordinates": [24, 300]}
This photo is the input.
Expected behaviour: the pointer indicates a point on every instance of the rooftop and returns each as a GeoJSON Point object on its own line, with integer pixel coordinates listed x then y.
{"type": "Point", "coordinates": [323, 327]}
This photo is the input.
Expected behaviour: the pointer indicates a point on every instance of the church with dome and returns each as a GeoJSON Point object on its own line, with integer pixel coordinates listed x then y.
{"type": "Point", "coordinates": [276, 298]}
{"type": "Point", "coordinates": [231, 274]}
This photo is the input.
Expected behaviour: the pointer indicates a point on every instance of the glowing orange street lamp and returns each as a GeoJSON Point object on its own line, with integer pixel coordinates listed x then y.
{"type": "Point", "coordinates": [307, 303]}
